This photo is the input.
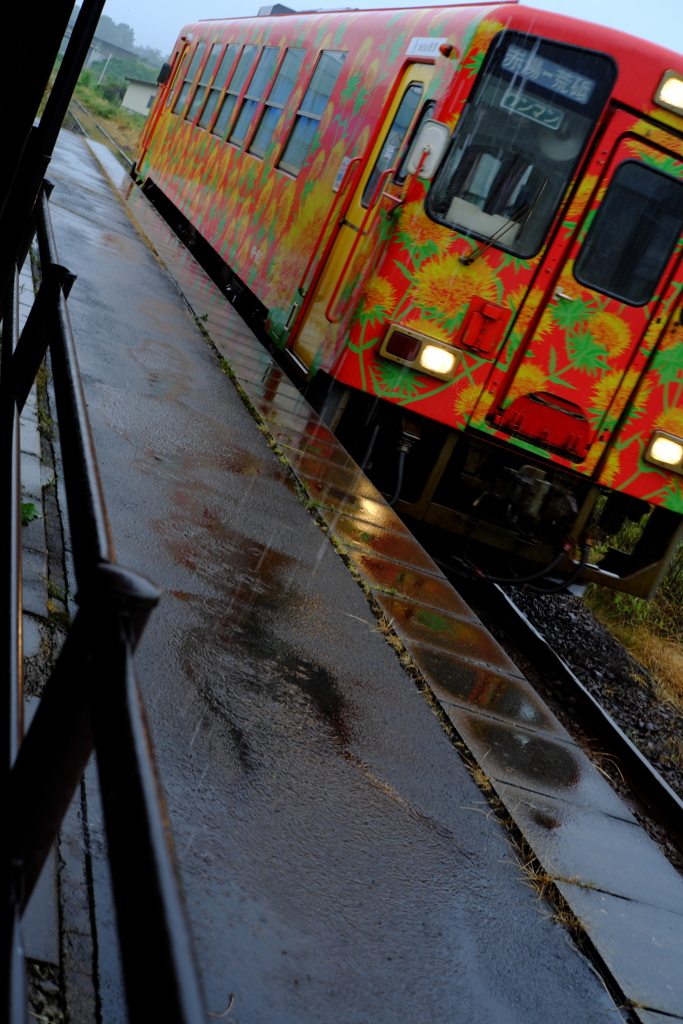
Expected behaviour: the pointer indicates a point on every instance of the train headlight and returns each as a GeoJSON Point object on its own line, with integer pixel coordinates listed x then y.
{"type": "Point", "coordinates": [419, 352]}
{"type": "Point", "coordinates": [670, 92]}
{"type": "Point", "coordinates": [666, 450]}
{"type": "Point", "coordinates": [435, 359]}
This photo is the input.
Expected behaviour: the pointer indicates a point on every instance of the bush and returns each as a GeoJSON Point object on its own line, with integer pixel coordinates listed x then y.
{"type": "Point", "coordinates": [113, 91]}
{"type": "Point", "coordinates": [662, 614]}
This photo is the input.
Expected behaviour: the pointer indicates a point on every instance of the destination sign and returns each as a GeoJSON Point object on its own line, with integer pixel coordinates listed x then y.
{"type": "Point", "coordinates": [548, 74]}
{"type": "Point", "coordinates": [532, 108]}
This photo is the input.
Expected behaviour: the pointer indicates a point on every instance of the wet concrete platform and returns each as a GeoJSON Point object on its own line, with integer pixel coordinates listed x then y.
{"type": "Point", "coordinates": [340, 862]}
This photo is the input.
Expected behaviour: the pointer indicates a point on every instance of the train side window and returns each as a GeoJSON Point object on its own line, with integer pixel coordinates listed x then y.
{"type": "Point", "coordinates": [519, 140]}
{"type": "Point", "coordinates": [254, 93]}
{"type": "Point", "coordinates": [204, 79]}
{"type": "Point", "coordinates": [243, 68]}
{"type": "Point", "coordinates": [218, 84]}
{"type": "Point", "coordinates": [633, 234]}
{"type": "Point", "coordinates": [311, 110]}
{"type": "Point", "coordinates": [177, 80]}
{"type": "Point", "coordinates": [189, 78]}
{"type": "Point", "coordinates": [277, 98]}
{"type": "Point", "coordinates": [398, 130]}
{"type": "Point", "coordinates": [402, 172]}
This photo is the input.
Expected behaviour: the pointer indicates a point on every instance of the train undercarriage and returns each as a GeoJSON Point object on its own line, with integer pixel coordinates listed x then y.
{"type": "Point", "coordinates": [500, 514]}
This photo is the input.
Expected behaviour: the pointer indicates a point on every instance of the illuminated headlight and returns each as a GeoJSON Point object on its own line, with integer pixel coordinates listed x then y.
{"type": "Point", "coordinates": [670, 92]}
{"type": "Point", "coordinates": [419, 352]}
{"type": "Point", "coordinates": [666, 450]}
{"type": "Point", "coordinates": [437, 360]}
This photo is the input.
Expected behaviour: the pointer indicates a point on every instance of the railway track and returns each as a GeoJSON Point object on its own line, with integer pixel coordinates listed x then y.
{"type": "Point", "coordinates": [590, 722]}
{"type": "Point", "coordinates": [83, 118]}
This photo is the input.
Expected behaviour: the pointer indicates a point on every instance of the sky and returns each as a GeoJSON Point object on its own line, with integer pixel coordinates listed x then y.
{"type": "Point", "coordinates": [157, 25]}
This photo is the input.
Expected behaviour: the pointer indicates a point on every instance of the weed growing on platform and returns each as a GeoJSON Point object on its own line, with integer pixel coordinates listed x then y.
{"type": "Point", "coordinates": [29, 512]}
{"type": "Point", "coordinates": [46, 424]}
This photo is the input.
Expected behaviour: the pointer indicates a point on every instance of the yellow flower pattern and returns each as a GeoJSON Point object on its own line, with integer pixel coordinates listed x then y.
{"type": "Point", "coordinates": [444, 285]}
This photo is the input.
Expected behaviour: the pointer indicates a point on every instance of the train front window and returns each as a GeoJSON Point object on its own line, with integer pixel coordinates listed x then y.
{"type": "Point", "coordinates": [633, 235]}
{"type": "Point", "coordinates": [519, 140]}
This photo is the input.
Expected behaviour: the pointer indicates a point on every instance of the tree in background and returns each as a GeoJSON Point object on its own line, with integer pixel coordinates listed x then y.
{"type": "Point", "coordinates": [119, 34]}
{"type": "Point", "coordinates": [123, 35]}
{"type": "Point", "coordinates": [118, 69]}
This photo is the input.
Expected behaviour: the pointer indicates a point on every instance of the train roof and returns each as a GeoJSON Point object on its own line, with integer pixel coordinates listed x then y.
{"type": "Point", "coordinates": [641, 64]}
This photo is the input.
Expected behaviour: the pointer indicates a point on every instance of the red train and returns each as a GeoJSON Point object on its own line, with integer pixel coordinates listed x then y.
{"type": "Point", "coordinates": [462, 226]}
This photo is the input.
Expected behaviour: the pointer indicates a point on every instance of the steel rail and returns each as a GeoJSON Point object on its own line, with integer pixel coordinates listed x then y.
{"type": "Point", "coordinates": [656, 794]}
{"type": "Point", "coordinates": [128, 159]}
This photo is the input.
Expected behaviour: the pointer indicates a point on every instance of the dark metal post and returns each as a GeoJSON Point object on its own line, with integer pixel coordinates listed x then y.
{"type": "Point", "coordinates": [28, 150]}
{"type": "Point", "coordinates": [67, 76]}
{"type": "Point", "coordinates": [12, 979]}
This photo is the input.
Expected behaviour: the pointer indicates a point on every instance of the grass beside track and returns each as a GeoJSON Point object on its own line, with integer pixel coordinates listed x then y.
{"type": "Point", "coordinates": [124, 126]}
{"type": "Point", "coordinates": [652, 631]}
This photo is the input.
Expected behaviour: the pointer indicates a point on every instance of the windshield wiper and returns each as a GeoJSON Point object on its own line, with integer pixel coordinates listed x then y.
{"type": "Point", "coordinates": [523, 213]}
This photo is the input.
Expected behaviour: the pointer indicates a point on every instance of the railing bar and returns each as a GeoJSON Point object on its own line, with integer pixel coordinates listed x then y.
{"type": "Point", "coordinates": [91, 541]}
{"type": "Point", "coordinates": [93, 686]}
{"type": "Point", "coordinates": [90, 535]}
{"type": "Point", "coordinates": [33, 342]}
{"type": "Point", "coordinates": [13, 983]}
{"type": "Point", "coordinates": [143, 872]}
{"type": "Point", "coordinates": [47, 247]}
{"type": "Point", "coordinates": [53, 756]}
{"type": "Point", "coordinates": [59, 742]}
{"type": "Point", "coordinates": [10, 527]}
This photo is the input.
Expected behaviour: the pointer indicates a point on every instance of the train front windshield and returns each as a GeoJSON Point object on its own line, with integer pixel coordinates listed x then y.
{"type": "Point", "coordinates": [519, 140]}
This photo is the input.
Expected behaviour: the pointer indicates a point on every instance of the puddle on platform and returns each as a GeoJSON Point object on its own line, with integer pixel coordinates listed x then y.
{"type": "Point", "coordinates": [528, 759]}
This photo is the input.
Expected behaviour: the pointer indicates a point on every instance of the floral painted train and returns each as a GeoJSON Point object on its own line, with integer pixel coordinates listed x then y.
{"type": "Point", "coordinates": [462, 226]}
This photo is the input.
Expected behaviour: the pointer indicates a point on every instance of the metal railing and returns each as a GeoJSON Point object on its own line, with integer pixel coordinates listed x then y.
{"type": "Point", "coordinates": [91, 700]}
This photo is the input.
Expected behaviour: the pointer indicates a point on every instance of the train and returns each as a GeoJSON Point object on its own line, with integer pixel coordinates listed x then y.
{"type": "Point", "coordinates": [461, 228]}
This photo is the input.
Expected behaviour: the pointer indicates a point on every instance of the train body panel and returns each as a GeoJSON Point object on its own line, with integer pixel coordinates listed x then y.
{"type": "Point", "coordinates": [508, 321]}
{"type": "Point", "coordinates": [265, 220]}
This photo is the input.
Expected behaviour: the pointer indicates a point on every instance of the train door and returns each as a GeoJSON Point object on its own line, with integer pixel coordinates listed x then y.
{"type": "Point", "coordinates": [608, 286]}
{"type": "Point", "coordinates": [165, 91]}
{"type": "Point", "coordinates": [351, 255]}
